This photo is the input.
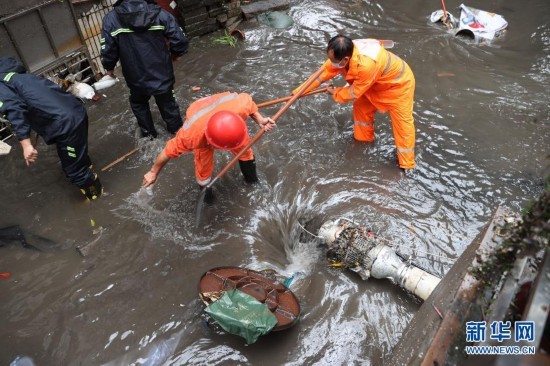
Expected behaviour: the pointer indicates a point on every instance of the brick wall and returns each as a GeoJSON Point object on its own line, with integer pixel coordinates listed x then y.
{"type": "Point", "coordinates": [199, 17]}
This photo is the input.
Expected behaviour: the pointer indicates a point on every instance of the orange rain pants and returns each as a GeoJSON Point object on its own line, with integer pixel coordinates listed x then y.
{"type": "Point", "coordinates": [191, 136]}
{"type": "Point", "coordinates": [377, 80]}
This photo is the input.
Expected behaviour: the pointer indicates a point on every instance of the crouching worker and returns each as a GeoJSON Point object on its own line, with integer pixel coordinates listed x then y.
{"type": "Point", "coordinates": [31, 102]}
{"type": "Point", "coordinates": [214, 122]}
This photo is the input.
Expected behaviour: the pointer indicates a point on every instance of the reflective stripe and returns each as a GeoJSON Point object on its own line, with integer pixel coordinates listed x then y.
{"type": "Point", "coordinates": [102, 40]}
{"type": "Point", "coordinates": [402, 71]}
{"type": "Point", "coordinates": [103, 47]}
{"type": "Point", "coordinates": [363, 124]}
{"type": "Point", "coordinates": [1, 104]}
{"type": "Point", "coordinates": [70, 148]}
{"type": "Point", "coordinates": [204, 182]}
{"type": "Point", "coordinates": [72, 155]}
{"type": "Point", "coordinates": [8, 76]}
{"type": "Point", "coordinates": [405, 151]}
{"type": "Point", "coordinates": [388, 64]}
{"type": "Point", "coordinates": [351, 92]}
{"type": "Point", "coordinates": [121, 30]}
{"type": "Point", "coordinates": [157, 27]}
{"type": "Point", "coordinates": [208, 109]}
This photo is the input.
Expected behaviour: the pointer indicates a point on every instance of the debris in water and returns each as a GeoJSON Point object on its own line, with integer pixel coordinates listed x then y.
{"type": "Point", "coordinates": [474, 23]}
{"type": "Point", "coordinates": [196, 88]}
{"type": "Point", "coordinates": [5, 275]}
{"type": "Point", "coordinates": [276, 19]}
{"type": "Point", "coordinates": [105, 82]}
{"type": "Point", "coordinates": [360, 250]}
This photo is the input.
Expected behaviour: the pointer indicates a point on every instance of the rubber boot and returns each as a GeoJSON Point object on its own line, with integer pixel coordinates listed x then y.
{"type": "Point", "coordinates": [209, 195]}
{"type": "Point", "coordinates": [92, 190]}
{"type": "Point", "coordinates": [248, 168]}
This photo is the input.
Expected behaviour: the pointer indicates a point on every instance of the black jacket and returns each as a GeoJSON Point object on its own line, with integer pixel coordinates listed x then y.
{"type": "Point", "coordinates": [143, 36]}
{"type": "Point", "coordinates": [32, 102]}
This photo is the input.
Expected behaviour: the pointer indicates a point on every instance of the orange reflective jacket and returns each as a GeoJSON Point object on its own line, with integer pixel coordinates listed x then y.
{"type": "Point", "coordinates": [373, 72]}
{"type": "Point", "coordinates": [191, 135]}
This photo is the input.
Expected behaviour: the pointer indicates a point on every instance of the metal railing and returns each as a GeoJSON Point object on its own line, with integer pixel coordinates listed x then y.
{"type": "Point", "coordinates": [90, 23]}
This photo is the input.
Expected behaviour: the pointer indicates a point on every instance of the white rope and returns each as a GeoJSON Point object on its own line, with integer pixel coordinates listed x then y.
{"type": "Point", "coordinates": [310, 233]}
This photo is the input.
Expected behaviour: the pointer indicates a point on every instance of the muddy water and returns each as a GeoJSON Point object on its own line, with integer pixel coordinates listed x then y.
{"type": "Point", "coordinates": [483, 137]}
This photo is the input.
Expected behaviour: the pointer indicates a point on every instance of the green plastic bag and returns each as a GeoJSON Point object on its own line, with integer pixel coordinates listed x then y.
{"type": "Point", "coordinates": [241, 314]}
{"type": "Point", "coordinates": [276, 19]}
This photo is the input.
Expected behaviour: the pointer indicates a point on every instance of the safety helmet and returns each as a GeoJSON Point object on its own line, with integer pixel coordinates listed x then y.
{"type": "Point", "coordinates": [225, 130]}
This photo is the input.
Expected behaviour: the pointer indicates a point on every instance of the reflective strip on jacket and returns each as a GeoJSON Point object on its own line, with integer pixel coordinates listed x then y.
{"type": "Point", "coordinates": [143, 37]}
{"type": "Point", "coordinates": [32, 102]}
{"type": "Point", "coordinates": [192, 135]}
{"type": "Point", "coordinates": [372, 71]}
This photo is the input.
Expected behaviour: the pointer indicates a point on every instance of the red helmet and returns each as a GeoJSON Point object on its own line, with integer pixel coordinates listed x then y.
{"type": "Point", "coordinates": [225, 130]}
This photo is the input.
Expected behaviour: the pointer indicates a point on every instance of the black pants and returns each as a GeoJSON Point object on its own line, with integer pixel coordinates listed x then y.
{"type": "Point", "coordinates": [73, 153]}
{"type": "Point", "coordinates": [169, 110]}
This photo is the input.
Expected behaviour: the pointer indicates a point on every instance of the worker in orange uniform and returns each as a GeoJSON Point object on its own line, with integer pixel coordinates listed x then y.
{"type": "Point", "coordinates": [377, 80]}
{"type": "Point", "coordinates": [214, 122]}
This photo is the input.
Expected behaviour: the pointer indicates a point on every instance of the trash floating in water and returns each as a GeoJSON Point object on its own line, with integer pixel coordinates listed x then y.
{"type": "Point", "coordinates": [4, 148]}
{"type": "Point", "coordinates": [238, 34]}
{"type": "Point", "coordinates": [474, 23]}
{"type": "Point", "coordinates": [248, 303]}
{"type": "Point", "coordinates": [196, 88]}
{"type": "Point", "coordinates": [105, 82]}
{"type": "Point", "coordinates": [5, 275]}
{"type": "Point", "coordinates": [82, 90]}
{"type": "Point", "coordinates": [276, 19]}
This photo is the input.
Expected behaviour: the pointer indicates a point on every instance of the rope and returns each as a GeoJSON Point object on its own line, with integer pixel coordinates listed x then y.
{"type": "Point", "coordinates": [310, 233]}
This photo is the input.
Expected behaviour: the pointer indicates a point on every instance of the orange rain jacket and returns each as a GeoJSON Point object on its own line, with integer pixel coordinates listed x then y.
{"type": "Point", "coordinates": [191, 136]}
{"type": "Point", "coordinates": [377, 80]}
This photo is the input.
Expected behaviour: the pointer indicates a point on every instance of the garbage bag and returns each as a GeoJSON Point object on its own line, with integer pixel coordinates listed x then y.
{"type": "Point", "coordinates": [241, 314]}
{"type": "Point", "coordinates": [276, 19]}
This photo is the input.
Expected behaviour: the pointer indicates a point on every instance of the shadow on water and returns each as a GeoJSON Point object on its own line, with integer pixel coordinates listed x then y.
{"type": "Point", "coordinates": [482, 132]}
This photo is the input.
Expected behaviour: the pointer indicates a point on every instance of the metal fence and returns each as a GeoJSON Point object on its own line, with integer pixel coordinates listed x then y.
{"type": "Point", "coordinates": [90, 25]}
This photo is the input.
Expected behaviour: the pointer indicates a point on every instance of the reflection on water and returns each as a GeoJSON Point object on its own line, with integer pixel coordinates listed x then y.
{"type": "Point", "coordinates": [481, 115]}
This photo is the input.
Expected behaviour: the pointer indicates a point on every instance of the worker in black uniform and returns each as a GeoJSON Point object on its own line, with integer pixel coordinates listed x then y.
{"type": "Point", "coordinates": [32, 102]}
{"type": "Point", "coordinates": [145, 38]}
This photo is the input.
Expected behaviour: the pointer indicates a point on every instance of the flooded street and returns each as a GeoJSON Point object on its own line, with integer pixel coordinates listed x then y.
{"type": "Point", "coordinates": [482, 139]}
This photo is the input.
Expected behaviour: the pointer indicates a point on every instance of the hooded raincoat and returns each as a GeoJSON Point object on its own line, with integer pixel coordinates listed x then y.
{"type": "Point", "coordinates": [32, 102]}
{"type": "Point", "coordinates": [143, 36]}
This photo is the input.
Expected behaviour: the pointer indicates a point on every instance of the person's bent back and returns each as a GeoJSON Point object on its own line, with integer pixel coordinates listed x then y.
{"type": "Point", "coordinates": [31, 102]}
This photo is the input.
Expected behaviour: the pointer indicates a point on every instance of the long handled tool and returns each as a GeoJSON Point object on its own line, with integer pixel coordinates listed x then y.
{"type": "Point", "coordinates": [261, 105]}
{"type": "Point", "coordinates": [256, 137]}
{"type": "Point", "coordinates": [119, 159]}
{"type": "Point", "coordinates": [284, 99]}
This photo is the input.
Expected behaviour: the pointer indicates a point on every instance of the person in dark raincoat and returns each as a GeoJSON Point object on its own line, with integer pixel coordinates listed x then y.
{"type": "Point", "coordinates": [32, 102]}
{"type": "Point", "coordinates": [145, 38]}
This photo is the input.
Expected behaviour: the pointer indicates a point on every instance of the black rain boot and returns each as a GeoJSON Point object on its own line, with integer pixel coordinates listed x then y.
{"type": "Point", "coordinates": [93, 190]}
{"type": "Point", "coordinates": [208, 195]}
{"type": "Point", "coordinates": [248, 168]}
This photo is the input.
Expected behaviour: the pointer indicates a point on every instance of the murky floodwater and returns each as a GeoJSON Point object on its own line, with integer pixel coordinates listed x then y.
{"type": "Point", "coordinates": [483, 135]}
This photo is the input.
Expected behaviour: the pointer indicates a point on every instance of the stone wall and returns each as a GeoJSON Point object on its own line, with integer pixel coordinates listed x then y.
{"type": "Point", "coordinates": [199, 17]}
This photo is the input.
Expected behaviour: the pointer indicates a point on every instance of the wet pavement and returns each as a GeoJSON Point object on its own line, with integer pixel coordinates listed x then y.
{"type": "Point", "coordinates": [482, 120]}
